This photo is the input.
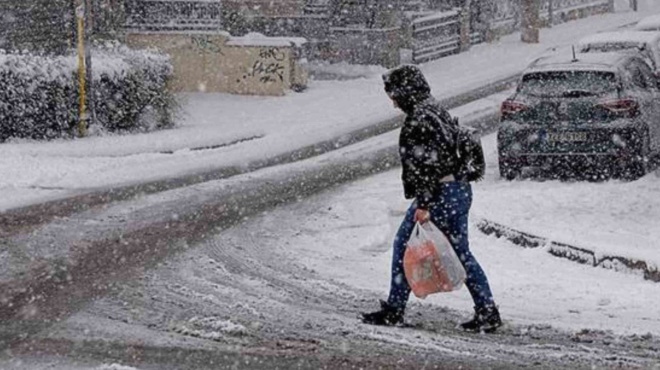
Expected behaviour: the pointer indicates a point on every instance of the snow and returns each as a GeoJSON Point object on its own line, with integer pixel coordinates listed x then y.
{"type": "Point", "coordinates": [631, 40]}
{"type": "Point", "coordinates": [347, 236]}
{"type": "Point", "coordinates": [195, 328]}
{"type": "Point", "coordinates": [651, 23]}
{"type": "Point", "coordinates": [612, 217]}
{"type": "Point", "coordinates": [609, 41]}
{"type": "Point", "coordinates": [595, 61]}
{"type": "Point", "coordinates": [437, 16]}
{"type": "Point", "coordinates": [257, 39]}
{"type": "Point", "coordinates": [348, 232]}
{"type": "Point", "coordinates": [115, 367]}
{"type": "Point", "coordinates": [34, 172]}
{"type": "Point", "coordinates": [620, 37]}
{"type": "Point", "coordinates": [321, 70]}
{"type": "Point", "coordinates": [110, 61]}
{"type": "Point", "coordinates": [178, 32]}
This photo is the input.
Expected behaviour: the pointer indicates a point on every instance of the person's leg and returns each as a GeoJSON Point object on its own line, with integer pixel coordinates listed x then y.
{"type": "Point", "coordinates": [399, 288]}
{"type": "Point", "coordinates": [450, 215]}
{"type": "Point", "coordinates": [392, 310]}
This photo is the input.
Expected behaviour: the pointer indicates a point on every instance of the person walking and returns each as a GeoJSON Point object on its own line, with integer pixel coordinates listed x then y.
{"type": "Point", "coordinates": [435, 177]}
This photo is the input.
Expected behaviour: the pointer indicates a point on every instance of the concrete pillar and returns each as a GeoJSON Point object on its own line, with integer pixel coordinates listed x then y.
{"type": "Point", "coordinates": [610, 6]}
{"type": "Point", "coordinates": [633, 5]}
{"type": "Point", "coordinates": [487, 14]}
{"type": "Point", "coordinates": [465, 25]}
{"type": "Point", "coordinates": [530, 21]}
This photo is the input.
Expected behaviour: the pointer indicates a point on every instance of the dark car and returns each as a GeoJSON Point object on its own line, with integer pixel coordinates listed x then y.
{"type": "Point", "coordinates": [594, 115]}
{"type": "Point", "coordinates": [647, 44]}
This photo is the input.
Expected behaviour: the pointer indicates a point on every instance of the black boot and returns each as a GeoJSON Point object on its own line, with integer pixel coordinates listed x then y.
{"type": "Point", "coordinates": [387, 316]}
{"type": "Point", "coordinates": [486, 319]}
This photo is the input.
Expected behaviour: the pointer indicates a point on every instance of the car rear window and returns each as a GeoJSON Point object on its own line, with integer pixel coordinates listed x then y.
{"type": "Point", "coordinates": [568, 83]}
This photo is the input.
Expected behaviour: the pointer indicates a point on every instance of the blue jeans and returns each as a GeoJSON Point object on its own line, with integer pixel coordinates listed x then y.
{"type": "Point", "coordinates": [450, 214]}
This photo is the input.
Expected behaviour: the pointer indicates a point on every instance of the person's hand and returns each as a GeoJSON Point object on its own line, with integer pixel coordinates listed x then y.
{"type": "Point", "coordinates": [422, 215]}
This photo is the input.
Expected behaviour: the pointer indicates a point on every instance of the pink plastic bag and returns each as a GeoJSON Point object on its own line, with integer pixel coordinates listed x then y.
{"type": "Point", "coordinates": [430, 263]}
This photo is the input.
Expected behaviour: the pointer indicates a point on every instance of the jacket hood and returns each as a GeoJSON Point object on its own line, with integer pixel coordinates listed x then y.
{"type": "Point", "coordinates": [407, 86]}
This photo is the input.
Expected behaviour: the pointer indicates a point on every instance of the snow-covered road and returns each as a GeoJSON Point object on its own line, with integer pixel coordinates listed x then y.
{"type": "Point", "coordinates": [287, 285]}
{"type": "Point", "coordinates": [346, 235]}
{"type": "Point", "coordinates": [282, 288]}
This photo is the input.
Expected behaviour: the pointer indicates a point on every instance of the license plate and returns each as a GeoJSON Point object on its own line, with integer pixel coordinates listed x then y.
{"type": "Point", "coordinates": [567, 137]}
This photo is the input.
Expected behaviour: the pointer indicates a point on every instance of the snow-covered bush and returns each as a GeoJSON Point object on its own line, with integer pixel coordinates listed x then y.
{"type": "Point", "coordinates": [39, 94]}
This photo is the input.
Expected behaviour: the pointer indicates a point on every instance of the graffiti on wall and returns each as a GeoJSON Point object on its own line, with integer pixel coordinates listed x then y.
{"type": "Point", "coordinates": [269, 66]}
{"type": "Point", "coordinates": [207, 44]}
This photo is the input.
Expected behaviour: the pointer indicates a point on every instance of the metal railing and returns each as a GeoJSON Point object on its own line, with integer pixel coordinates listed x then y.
{"type": "Point", "coordinates": [37, 25]}
{"type": "Point", "coordinates": [317, 7]}
{"type": "Point", "coordinates": [174, 14]}
{"type": "Point", "coordinates": [506, 13]}
{"type": "Point", "coordinates": [558, 11]}
{"type": "Point", "coordinates": [435, 36]}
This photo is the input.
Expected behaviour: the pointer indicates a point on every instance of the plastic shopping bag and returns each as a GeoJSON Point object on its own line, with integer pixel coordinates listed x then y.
{"type": "Point", "coordinates": [430, 263]}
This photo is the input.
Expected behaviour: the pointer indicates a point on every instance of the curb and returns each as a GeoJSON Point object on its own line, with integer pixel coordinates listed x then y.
{"type": "Point", "coordinates": [570, 252]}
{"type": "Point", "coordinates": [26, 219]}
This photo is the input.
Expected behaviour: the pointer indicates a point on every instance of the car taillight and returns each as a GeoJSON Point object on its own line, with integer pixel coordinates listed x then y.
{"type": "Point", "coordinates": [624, 107]}
{"type": "Point", "coordinates": [510, 107]}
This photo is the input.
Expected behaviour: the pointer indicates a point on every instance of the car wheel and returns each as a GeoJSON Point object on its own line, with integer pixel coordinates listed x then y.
{"type": "Point", "coordinates": [508, 170]}
{"type": "Point", "coordinates": [639, 166]}
{"type": "Point", "coordinates": [635, 170]}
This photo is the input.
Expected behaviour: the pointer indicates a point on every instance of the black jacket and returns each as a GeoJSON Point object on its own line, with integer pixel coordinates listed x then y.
{"type": "Point", "coordinates": [427, 147]}
{"type": "Point", "coordinates": [428, 141]}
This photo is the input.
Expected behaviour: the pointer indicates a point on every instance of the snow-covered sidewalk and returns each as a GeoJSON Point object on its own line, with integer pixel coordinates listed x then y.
{"type": "Point", "coordinates": [238, 130]}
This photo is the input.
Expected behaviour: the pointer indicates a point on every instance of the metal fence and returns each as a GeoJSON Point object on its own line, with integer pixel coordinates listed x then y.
{"type": "Point", "coordinates": [108, 18]}
{"type": "Point", "coordinates": [317, 7]}
{"type": "Point", "coordinates": [435, 36]}
{"type": "Point", "coordinates": [506, 13]}
{"type": "Point", "coordinates": [559, 11]}
{"type": "Point", "coordinates": [174, 14]}
{"type": "Point", "coordinates": [46, 25]}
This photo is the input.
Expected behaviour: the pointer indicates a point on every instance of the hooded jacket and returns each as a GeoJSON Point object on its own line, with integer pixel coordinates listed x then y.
{"type": "Point", "coordinates": [427, 142]}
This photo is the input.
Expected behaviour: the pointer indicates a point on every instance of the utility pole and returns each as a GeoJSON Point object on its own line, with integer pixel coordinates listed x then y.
{"type": "Point", "coordinates": [530, 21]}
{"type": "Point", "coordinates": [82, 68]}
{"type": "Point", "coordinates": [86, 111]}
{"type": "Point", "coordinates": [90, 26]}
{"type": "Point", "coordinates": [551, 13]}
